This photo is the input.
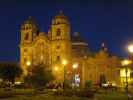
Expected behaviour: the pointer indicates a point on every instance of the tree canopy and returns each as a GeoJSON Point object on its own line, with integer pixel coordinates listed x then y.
{"type": "Point", "coordinates": [40, 76]}
{"type": "Point", "coordinates": [9, 71]}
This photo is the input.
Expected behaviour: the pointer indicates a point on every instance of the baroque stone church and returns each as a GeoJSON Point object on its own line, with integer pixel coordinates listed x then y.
{"type": "Point", "coordinates": [54, 47]}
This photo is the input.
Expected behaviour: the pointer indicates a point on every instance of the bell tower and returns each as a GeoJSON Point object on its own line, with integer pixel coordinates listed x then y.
{"type": "Point", "coordinates": [60, 27]}
{"type": "Point", "coordinates": [28, 31]}
{"type": "Point", "coordinates": [60, 41]}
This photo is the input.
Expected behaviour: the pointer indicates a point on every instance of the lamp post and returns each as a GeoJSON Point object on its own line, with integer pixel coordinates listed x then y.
{"type": "Point", "coordinates": [75, 66]}
{"type": "Point", "coordinates": [126, 63]}
{"type": "Point", "coordinates": [28, 64]}
{"type": "Point", "coordinates": [130, 50]}
{"type": "Point", "coordinates": [64, 62]}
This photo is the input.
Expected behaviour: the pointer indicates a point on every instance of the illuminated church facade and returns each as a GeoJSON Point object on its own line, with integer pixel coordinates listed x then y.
{"type": "Point", "coordinates": [55, 47]}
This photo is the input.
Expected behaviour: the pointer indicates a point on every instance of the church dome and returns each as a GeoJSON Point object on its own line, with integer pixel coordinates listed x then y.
{"type": "Point", "coordinates": [60, 18]}
{"type": "Point", "coordinates": [77, 40]}
{"type": "Point", "coordinates": [76, 37]}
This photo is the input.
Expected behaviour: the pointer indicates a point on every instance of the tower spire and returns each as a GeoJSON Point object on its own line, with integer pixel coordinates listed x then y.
{"type": "Point", "coordinates": [29, 17]}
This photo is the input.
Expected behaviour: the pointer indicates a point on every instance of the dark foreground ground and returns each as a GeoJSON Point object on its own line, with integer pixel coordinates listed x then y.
{"type": "Point", "coordinates": [28, 94]}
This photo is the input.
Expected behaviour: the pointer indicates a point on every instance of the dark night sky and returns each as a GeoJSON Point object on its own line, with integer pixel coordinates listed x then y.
{"type": "Point", "coordinates": [109, 21]}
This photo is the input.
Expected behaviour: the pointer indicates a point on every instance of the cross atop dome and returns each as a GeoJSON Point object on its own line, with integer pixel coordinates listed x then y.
{"type": "Point", "coordinates": [60, 11]}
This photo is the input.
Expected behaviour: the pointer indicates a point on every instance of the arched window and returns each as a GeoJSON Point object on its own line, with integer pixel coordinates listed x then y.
{"type": "Point", "coordinates": [26, 36]}
{"type": "Point", "coordinates": [58, 33]}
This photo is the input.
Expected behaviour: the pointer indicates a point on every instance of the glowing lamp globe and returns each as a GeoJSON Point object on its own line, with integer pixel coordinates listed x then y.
{"type": "Point", "coordinates": [130, 48]}
{"type": "Point", "coordinates": [125, 62]}
{"type": "Point", "coordinates": [75, 66]}
{"type": "Point", "coordinates": [56, 68]}
{"type": "Point", "coordinates": [28, 63]}
{"type": "Point", "coordinates": [64, 62]}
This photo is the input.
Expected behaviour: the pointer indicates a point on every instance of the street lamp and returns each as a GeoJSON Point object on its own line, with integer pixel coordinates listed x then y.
{"type": "Point", "coordinates": [125, 63]}
{"type": "Point", "coordinates": [56, 68]}
{"type": "Point", "coordinates": [28, 63]}
{"type": "Point", "coordinates": [130, 48]}
{"type": "Point", "coordinates": [29, 70]}
{"type": "Point", "coordinates": [75, 66]}
{"type": "Point", "coordinates": [64, 62]}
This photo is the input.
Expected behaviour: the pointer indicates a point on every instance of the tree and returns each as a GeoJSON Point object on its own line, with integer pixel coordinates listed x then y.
{"type": "Point", "coordinates": [88, 84]}
{"type": "Point", "coordinates": [40, 76]}
{"type": "Point", "coordinates": [9, 71]}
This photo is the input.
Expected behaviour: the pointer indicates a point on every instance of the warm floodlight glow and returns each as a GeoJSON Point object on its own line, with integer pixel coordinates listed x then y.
{"type": "Point", "coordinates": [64, 62]}
{"type": "Point", "coordinates": [126, 62]}
{"type": "Point", "coordinates": [28, 63]}
{"type": "Point", "coordinates": [75, 66]}
{"type": "Point", "coordinates": [56, 69]}
{"type": "Point", "coordinates": [123, 72]}
{"type": "Point", "coordinates": [130, 48]}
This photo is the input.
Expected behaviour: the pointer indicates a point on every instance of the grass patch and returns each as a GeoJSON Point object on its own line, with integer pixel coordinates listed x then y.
{"type": "Point", "coordinates": [111, 96]}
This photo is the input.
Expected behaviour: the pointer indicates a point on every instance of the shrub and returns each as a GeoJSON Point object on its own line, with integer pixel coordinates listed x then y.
{"type": "Point", "coordinates": [88, 84]}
